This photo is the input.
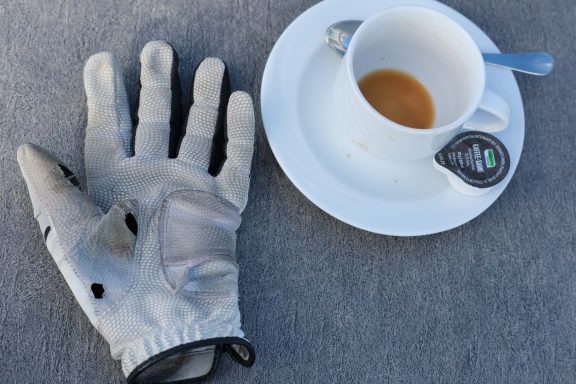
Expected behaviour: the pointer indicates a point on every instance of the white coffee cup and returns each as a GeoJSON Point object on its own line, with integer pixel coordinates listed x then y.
{"type": "Point", "coordinates": [438, 52]}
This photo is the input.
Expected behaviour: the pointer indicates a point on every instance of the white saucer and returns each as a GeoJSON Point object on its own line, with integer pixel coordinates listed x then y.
{"type": "Point", "coordinates": [401, 199]}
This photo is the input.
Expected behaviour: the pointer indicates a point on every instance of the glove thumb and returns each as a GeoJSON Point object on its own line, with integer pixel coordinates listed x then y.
{"type": "Point", "coordinates": [56, 197]}
{"type": "Point", "coordinates": [65, 214]}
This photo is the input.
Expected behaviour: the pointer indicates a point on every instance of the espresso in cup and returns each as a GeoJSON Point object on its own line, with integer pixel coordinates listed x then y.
{"type": "Point", "coordinates": [400, 97]}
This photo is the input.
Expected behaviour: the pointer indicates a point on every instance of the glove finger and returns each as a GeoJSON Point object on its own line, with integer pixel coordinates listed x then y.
{"type": "Point", "coordinates": [235, 174]}
{"type": "Point", "coordinates": [109, 130]}
{"type": "Point", "coordinates": [59, 205]}
{"type": "Point", "coordinates": [203, 143]}
{"type": "Point", "coordinates": [159, 111]}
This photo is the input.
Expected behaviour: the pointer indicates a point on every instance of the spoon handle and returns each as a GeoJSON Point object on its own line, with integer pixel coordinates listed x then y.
{"type": "Point", "coordinates": [534, 63]}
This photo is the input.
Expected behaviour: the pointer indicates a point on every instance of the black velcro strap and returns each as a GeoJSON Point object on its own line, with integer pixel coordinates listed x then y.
{"type": "Point", "coordinates": [239, 349]}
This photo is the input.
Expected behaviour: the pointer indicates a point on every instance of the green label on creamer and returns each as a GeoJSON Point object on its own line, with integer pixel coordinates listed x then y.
{"type": "Point", "coordinates": [489, 158]}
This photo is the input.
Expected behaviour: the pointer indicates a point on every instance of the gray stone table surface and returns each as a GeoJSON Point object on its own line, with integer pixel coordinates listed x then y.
{"type": "Point", "coordinates": [493, 301]}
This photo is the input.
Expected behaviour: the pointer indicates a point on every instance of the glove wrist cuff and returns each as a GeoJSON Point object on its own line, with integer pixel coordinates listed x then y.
{"type": "Point", "coordinates": [182, 357]}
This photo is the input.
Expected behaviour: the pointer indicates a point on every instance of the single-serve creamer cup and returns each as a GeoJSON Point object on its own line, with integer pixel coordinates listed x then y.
{"type": "Point", "coordinates": [439, 53]}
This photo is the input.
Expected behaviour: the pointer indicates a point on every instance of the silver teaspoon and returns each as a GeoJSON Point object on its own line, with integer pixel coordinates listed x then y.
{"type": "Point", "coordinates": [339, 34]}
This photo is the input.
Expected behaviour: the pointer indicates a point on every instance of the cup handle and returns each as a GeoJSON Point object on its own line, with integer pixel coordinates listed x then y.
{"type": "Point", "coordinates": [492, 115]}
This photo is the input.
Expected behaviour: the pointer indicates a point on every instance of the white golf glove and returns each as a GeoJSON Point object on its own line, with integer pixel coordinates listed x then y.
{"type": "Point", "coordinates": [149, 251]}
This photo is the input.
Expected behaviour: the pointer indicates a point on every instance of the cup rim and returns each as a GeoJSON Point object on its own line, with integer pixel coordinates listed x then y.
{"type": "Point", "coordinates": [402, 128]}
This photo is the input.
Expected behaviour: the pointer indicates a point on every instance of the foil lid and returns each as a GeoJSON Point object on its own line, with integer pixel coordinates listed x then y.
{"type": "Point", "coordinates": [474, 162]}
